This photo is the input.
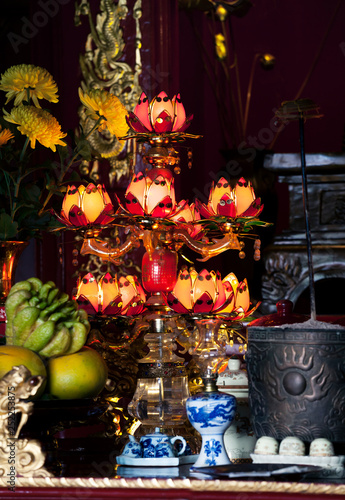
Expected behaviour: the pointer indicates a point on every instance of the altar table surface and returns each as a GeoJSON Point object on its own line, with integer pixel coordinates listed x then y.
{"type": "Point", "coordinates": [183, 487]}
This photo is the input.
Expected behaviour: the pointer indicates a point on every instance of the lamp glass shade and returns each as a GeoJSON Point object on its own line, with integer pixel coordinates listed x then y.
{"type": "Point", "coordinates": [88, 287]}
{"type": "Point", "coordinates": [159, 104]}
{"type": "Point", "coordinates": [182, 290]}
{"type": "Point", "coordinates": [242, 296]}
{"type": "Point", "coordinates": [244, 195]}
{"type": "Point", "coordinates": [92, 202]}
{"type": "Point", "coordinates": [109, 290]}
{"type": "Point", "coordinates": [180, 113]}
{"type": "Point", "coordinates": [71, 198]}
{"type": "Point", "coordinates": [209, 348]}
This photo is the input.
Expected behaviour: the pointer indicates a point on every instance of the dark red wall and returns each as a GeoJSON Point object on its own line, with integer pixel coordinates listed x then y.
{"type": "Point", "coordinates": [307, 39]}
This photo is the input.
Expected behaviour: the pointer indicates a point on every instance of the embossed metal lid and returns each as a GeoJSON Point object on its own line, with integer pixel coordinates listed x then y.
{"type": "Point", "coordinates": [283, 316]}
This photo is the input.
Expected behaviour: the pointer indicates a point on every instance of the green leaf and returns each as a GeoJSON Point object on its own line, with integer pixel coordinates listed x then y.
{"type": "Point", "coordinates": [31, 193]}
{"type": "Point", "coordinates": [8, 229]}
{"type": "Point", "coordinates": [64, 153]}
{"type": "Point", "coordinates": [84, 149]}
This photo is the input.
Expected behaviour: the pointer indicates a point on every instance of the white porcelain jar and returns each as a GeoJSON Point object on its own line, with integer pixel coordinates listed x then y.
{"type": "Point", "coordinates": [239, 438]}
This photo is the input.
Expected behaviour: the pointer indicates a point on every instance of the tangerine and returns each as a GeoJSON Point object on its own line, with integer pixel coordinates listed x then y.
{"type": "Point", "coordinates": [82, 374]}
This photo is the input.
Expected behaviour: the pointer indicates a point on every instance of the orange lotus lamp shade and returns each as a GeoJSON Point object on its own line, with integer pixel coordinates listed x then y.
{"type": "Point", "coordinates": [152, 195]}
{"type": "Point", "coordinates": [110, 295]}
{"type": "Point", "coordinates": [161, 115]}
{"type": "Point", "coordinates": [225, 201]}
{"type": "Point", "coordinates": [82, 206]}
{"type": "Point", "coordinates": [197, 292]}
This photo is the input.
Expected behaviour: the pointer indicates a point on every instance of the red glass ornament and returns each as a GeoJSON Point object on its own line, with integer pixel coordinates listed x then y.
{"type": "Point", "coordinates": [159, 271]}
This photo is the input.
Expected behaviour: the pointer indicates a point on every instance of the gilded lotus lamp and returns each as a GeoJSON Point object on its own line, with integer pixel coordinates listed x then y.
{"type": "Point", "coordinates": [152, 215]}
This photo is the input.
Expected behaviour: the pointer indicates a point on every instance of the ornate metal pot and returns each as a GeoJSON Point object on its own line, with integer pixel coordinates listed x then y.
{"type": "Point", "coordinates": [297, 382]}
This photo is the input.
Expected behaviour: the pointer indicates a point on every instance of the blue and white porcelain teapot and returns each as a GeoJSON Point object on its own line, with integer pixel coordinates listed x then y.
{"type": "Point", "coordinates": [156, 445]}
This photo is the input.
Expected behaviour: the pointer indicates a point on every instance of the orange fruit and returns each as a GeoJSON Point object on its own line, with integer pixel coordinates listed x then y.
{"type": "Point", "coordinates": [11, 356]}
{"type": "Point", "coordinates": [77, 376]}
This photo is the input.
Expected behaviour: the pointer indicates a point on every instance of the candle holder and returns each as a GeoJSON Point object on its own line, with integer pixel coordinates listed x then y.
{"type": "Point", "coordinates": [151, 215]}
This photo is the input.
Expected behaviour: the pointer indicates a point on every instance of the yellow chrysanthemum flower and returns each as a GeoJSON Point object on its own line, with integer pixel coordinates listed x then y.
{"type": "Point", "coordinates": [5, 136]}
{"type": "Point", "coordinates": [26, 79]}
{"type": "Point", "coordinates": [37, 125]}
{"type": "Point", "coordinates": [100, 103]}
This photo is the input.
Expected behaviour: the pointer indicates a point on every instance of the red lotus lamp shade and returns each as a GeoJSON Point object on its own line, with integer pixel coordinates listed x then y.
{"type": "Point", "coordinates": [224, 201]}
{"type": "Point", "coordinates": [159, 270]}
{"type": "Point", "coordinates": [160, 116]}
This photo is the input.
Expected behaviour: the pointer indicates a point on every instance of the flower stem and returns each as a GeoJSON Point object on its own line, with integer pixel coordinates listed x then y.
{"type": "Point", "coordinates": [15, 197]}
{"type": "Point", "coordinates": [69, 165]}
{"type": "Point", "coordinates": [24, 149]}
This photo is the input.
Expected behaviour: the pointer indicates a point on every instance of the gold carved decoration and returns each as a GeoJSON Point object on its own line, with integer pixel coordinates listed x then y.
{"type": "Point", "coordinates": [18, 457]}
{"type": "Point", "coordinates": [103, 67]}
{"type": "Point", "coordinates": [100, 266]}
{"type": "Point", "coordinates": [183, 485]}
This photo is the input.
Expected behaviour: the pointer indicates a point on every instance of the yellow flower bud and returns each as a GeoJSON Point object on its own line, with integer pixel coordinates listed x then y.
{"type": "Point", "coordinates": [220, 46]}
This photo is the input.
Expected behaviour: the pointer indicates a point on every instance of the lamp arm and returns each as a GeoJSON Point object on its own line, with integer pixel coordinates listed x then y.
{"type": "Point", "coordinates": [209, 250]}
{"type": "Point", "coordinates": [101, 248]}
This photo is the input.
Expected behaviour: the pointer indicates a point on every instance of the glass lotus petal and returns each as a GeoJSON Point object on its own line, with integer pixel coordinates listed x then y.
{"type": "Point", "coordinates": [110, 295]}
{"type": "Point", "coordinates": [188, 216]}
{"type": "Point", "coordinates": [161, 115]}
{"type": "Point", "coordinates": [85, 205]}
{"type": "Point", "coordinates": [227, 202]}
{"type": "Point", "coordinates": [238, 298]}
{"type": "Point", "coordinates": [197, 292]}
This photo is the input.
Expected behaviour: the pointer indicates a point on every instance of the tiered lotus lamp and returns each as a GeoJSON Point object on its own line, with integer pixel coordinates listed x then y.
{"type": "Point", "coordinates": [151, 214]}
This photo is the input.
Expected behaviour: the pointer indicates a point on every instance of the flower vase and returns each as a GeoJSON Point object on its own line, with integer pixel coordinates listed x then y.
{"type": "Point", "coordinates": [10, 251]}
{"type": "Point", "coordinates": [210, 412]}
